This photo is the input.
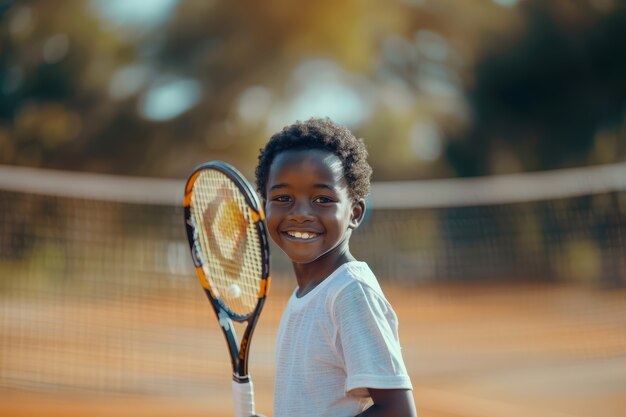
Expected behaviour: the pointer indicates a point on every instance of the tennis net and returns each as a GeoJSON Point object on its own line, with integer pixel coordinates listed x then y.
{"type": "Point", "coordinates": [99, 294]}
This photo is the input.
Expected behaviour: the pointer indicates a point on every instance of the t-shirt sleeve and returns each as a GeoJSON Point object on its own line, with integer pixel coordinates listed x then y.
{"type": "Point", "coordinates": [367, 338]}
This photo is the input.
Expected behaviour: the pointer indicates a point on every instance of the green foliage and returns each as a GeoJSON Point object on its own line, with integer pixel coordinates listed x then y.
{"type": "Point", "coordinates": [499, 89]}
{"type": "Point", "coordinates": [547, 93]}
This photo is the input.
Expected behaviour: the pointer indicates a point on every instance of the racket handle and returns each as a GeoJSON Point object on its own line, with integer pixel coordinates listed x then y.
{"type": "Point", "coordinates": [243, 395]}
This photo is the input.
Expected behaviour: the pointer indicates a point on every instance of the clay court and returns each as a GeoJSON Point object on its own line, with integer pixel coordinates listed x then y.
{"type": "Point", "coordinates": [506, 310]}
{"type": "Point", "coordinates": [472, 351]}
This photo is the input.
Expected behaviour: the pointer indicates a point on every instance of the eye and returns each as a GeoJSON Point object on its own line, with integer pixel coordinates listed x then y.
{"type": "Point", "coordinates": [323, 200]}
{"type": "Point", "coordinates": [281, 198]}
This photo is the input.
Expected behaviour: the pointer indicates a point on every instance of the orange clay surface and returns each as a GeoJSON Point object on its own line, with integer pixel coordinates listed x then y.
{"type": "Point", "coordinates": [472, 351]}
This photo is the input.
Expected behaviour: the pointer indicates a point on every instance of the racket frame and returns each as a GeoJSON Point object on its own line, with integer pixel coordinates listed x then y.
{"type": "Point", "coordinates": [238, 351]}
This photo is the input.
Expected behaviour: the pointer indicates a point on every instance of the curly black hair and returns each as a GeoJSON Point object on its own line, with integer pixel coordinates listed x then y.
{"type": "Point", "coordinates": [321, 134]}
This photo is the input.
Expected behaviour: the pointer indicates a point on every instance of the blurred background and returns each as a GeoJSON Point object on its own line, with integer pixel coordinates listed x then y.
{"type": "Point", "coordinates": [496, 223]}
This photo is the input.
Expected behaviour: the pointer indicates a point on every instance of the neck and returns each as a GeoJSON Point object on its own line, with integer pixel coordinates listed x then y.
{"type": "Point", "coordinates": [310, 275]}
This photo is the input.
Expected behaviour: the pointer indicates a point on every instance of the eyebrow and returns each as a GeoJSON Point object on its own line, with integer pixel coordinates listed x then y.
{"type": "Point", "coordinates": [320, 185]}
{"type": "Point", "coordinates": [277, 186]}
{"type": "Point", "coordinates": [325, 186]}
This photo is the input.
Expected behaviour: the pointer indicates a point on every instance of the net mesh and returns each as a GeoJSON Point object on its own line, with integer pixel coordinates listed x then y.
{"type": "Point", "coordinates": [89, 290]}
{"type": "Point", "coordinates": [577, 239]}
{"type": "Point", "coordinates": [228, 240]}
{"type": "Point", "coordinates": [98, 294]}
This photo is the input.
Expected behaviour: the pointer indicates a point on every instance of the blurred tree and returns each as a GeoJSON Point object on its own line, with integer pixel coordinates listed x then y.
{"type": "Point", "coordinates": [235, 47]}
{"type": "Point", "coordinates": [54, 65]}
{"type": "Point", "coordinates": [540, 100]}
{"type": "Point", "coordinates": [212, 80]}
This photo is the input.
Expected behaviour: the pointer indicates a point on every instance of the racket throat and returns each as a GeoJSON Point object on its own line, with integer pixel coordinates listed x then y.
{"type": "Point", "coordinates": [240, 364]}
{"type": "Point", "coordinates": [241, 379]}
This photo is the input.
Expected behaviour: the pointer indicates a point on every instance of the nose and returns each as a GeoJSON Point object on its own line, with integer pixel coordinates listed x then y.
{"type": "Point", "coordinates": [300, 211]}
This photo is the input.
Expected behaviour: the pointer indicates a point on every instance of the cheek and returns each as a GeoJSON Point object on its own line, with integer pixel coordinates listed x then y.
{"type": "Point", "coordinates": [270, 215]}
{"type": "Point", "coordinates": [272, 221]}
{"type": "Point", "coordinates": [343, 216]}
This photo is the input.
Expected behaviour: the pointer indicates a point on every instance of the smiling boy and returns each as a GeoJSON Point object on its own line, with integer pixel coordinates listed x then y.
{"type": "Point", "coordinates": [338, 351]}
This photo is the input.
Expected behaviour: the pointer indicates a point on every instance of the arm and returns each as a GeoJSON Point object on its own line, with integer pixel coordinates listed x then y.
{"type": "Point", "coordinates": [390, 403]}
{"type": "Point", "coordinates": [368, 339]}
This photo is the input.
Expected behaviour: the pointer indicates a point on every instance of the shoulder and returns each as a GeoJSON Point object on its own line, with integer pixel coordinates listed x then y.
{"type": "Point", "coordinates": [358, 278]}
{"type": "Point", "coordinates": [359, 293]}
{"type": "Point", "coordinates": [356, 274]}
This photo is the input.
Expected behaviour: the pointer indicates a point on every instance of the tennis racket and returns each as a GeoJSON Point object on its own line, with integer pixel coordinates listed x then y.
{"type": "Point", "coordinates": [227, 236]}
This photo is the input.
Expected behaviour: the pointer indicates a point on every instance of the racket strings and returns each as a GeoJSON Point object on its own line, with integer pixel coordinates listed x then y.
{"type": "Point", "coordinates": [228, 241]}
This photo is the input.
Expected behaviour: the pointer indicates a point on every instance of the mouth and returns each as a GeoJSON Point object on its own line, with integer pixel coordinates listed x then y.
{"type": "Point", "coordinates": [301, 235]}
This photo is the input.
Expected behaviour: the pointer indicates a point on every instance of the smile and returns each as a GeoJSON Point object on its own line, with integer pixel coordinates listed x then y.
{"type": "Point", "coordinates": [302, 235]}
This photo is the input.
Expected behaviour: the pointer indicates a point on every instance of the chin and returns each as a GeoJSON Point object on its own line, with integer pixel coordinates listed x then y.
{"type": "Point", "coordinates": [301, 258]}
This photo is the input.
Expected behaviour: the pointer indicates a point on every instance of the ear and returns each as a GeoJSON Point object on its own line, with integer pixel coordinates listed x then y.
{"type": "Point", "coordinates": [358, 211]}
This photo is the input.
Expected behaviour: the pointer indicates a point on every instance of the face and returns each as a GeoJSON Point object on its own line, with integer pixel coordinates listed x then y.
{"type": "Point", "coordinates": [309, 212]}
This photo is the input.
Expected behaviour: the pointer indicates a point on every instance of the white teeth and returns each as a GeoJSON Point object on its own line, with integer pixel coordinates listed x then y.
{"type": "Point", "coordinates": [302, 235]}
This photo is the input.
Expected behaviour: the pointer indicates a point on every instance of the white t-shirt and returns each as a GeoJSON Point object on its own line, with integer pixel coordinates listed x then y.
{"type": "Point", "coordinates": [334, 343]}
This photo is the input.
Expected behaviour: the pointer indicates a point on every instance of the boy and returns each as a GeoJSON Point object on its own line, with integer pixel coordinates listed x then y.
{"type": "Point", "coordinates": [337, 347]}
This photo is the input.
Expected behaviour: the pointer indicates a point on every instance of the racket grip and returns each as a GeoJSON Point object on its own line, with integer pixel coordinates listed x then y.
{"type": "Point", "coordinates": [243, 395]}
